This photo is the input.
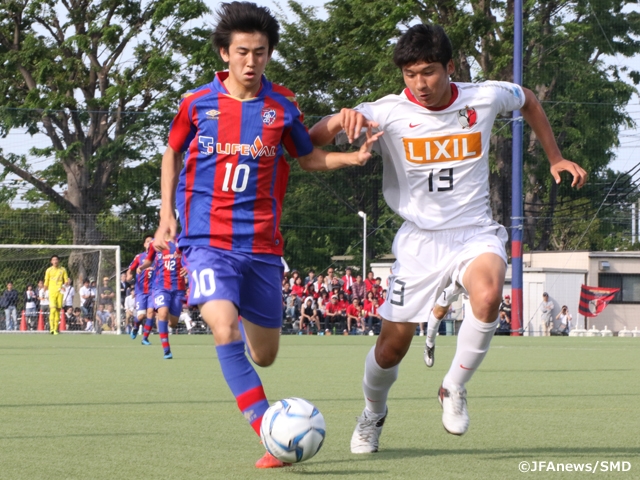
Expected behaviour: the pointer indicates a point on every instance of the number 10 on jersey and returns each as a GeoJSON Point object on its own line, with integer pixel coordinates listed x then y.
{"type": "Point", "coordinates": [240, 177]}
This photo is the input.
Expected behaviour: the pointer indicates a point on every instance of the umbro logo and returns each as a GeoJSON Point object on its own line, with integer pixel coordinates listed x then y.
{"type": "Point", "coordinates": [212, 114]}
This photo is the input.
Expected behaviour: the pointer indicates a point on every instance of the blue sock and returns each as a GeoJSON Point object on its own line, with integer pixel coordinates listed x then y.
{"type": "Point", "coordinates": [163, 331]}
{"type": "Point", "coordinates": [244, 382]}
{"type": "Point", "coordinates": [148, 325]}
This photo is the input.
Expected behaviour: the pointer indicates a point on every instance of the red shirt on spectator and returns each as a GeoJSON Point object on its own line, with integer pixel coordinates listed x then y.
{"type": "Point", "coordinates": [342, 305]}
{"type": "Point", "coordinates": [371, 309]}
{"type": "Point", "coordinates": [353, 310]}
{"type": "Point", "coordinates": [369, 284]}
{"type": "Point", "coordinates": [367, 305]}
{"type": "Point", "coordinates": [332, 308]}
{"type": "Point", "coordinates": [297, 290]}
{"type": "Point", "coordinates": [347, 283]}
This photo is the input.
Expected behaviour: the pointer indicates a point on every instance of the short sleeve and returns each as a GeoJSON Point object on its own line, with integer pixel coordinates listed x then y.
{"type": "Point", "coordinates": [508, 96]}
{"type": "Point", "coordinates": [296, 138]}
{"type": "Point", "coordinates": [182, 130]}
{"type": "Point", "coordinates": [151, 254]}
{"type": "Point", "coordinates": [135, 264]}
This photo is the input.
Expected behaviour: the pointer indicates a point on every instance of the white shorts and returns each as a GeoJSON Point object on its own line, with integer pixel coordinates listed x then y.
{"type": "Point", "coordinates": [430, 265]}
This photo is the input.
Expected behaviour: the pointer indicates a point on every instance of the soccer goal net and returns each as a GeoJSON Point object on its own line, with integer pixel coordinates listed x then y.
{"type": "Point", "coordinates": [24, 266]}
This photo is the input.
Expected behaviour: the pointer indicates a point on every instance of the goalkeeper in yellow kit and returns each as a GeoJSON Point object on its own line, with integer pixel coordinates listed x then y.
{"type": "Point", "coordinates": [54, 279]}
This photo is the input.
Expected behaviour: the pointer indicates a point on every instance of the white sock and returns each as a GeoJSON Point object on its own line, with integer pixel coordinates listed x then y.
{"type": "Point", "coordinates": [433, 325]}
{"type": "Point", "coordinates": [474, 339]}
{"type": "Point", "coordinates": [376, 383]}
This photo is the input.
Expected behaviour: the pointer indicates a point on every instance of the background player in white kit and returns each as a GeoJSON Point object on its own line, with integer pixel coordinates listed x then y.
{"type": "Point", "coordinates": [435, 152]}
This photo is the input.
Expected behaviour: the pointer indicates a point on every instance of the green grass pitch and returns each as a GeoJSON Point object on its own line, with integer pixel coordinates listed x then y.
{"type": "Point", "coordinates": [105, 407]}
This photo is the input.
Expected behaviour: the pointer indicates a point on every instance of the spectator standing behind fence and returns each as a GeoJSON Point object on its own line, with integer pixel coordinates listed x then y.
{"type": "Point", "coordinates": [68, 294]}
{"type": "Point", "coordinates": [106, 293]}
{"type": "Point", "coordinates": [546, 307]}
{"type": "Point", "coordinates": [124, 288]}
{"type": "Point", "coordinates": [505, 306]}
{"type": "Point", "coordinates": [9, 301]}
{"type": "Point", "coordinates": [31, 306]}
{"type": "Point", "coordinates": [130, 309]}
{"type": "Point", "coordinates": [43, 299]}
{"type": "Point", "coordinates": [358, 289]}
{"type": "Point", "coordinates": [87, 302]}
{"type": "Point", "coordinates": [347, 282]}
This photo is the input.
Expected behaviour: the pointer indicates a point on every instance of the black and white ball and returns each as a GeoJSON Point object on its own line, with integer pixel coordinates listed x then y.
{"type": "Point", "coordinates": [292, 430]}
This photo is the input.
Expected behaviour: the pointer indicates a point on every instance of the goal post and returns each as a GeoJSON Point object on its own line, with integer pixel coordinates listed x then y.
{"type": "Point", "coordinates": [24, 265]}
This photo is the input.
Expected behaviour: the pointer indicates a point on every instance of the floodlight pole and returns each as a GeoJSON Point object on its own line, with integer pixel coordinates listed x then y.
{"type": "Point", "coordinates": [516, 182]}
{"type": "Point", "coordinates": [363, 215]}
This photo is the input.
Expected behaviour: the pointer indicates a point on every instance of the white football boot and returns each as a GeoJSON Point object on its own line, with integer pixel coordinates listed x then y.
{"type": "Point", "coordinates": [367, 433]}
{"type": "Point", "coordinates": [429, 355]}
{"type": "Point", "coordinates": [455, 417]}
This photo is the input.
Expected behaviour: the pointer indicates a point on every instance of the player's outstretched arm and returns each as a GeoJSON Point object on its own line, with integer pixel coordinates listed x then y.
{"type": "Point", "coordinates": [319, 160]}
{"type": "Point", "coordinates": [171, 165]}
{"type": "Point", "coordinates": [534, 115]}
{"type": "Point", "coordinates": [351, 121]}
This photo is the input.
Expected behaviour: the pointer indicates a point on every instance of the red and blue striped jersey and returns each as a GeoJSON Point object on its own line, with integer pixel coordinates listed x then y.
{"type": "Point", "coordinates": [167, 266]}
{"type": "Point", "coordinates": [234, 178]}
{"type": "Point", "coordinates": [144, 279]}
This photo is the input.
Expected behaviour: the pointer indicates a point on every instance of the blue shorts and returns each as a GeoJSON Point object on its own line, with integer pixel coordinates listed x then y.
{"type": "Point", "coordinates": [143, 302]}
{"type": "Point", "coordinates": [252, 282]}
{"type": "Point", "coordinates": [167, 298]}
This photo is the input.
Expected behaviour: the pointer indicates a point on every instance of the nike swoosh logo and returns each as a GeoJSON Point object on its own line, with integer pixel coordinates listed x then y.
{"type": "Point", "coordinates": [411, 125]}
{"type": "Point", "coordinates": [465, 368]}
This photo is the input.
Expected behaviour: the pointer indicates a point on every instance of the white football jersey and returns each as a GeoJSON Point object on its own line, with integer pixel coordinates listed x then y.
{"type": "Point", "coordinates": [436, 161]}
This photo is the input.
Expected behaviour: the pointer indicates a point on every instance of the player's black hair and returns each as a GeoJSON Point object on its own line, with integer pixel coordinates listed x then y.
{"type": "Point", "coordinates": [244, 17]}
{"type": "Point", "coordinates": [148, 235]}
{"type": "Point", "coordinates": [54, 256]}
{"type": "Point", "coordinates": [426, 43]}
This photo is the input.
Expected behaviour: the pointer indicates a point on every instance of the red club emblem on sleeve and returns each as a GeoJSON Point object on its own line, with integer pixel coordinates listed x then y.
{"type": "Point", "coordinates": [467, 117]}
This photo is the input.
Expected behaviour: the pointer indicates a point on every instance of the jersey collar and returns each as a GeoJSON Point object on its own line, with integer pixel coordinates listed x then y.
{"type": "Point", "coordinates": [454, 97]}
{"type": "Point", "coordinates": [220, 77]}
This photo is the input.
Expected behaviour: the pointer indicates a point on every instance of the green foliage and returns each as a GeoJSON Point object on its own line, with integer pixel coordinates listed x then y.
{"type": "Point", "coordinates": [86, 75]}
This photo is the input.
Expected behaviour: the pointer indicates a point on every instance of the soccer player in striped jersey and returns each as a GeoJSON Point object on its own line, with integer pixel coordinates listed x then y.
{"type": "Point", "coordinates": [168, 289]}
{"type": "Point", "coordinates": [232, 134]}
{"type": "Point", "coordinates": [435, 155]}
{"type": "Point", "coordinates": [144, 300]}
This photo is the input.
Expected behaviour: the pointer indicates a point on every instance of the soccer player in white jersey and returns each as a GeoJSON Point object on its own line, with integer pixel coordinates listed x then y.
{"type": "Point", "coordinates": [435, 152]}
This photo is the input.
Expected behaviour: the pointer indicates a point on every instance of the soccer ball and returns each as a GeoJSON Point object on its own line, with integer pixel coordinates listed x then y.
{"type": "Point", "coordinates": [292, 430]}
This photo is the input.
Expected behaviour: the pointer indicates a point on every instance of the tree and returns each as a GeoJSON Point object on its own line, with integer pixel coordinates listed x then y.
{"type": "Point", "coordinates": [346, 59]}
{"type": "Point", "coordinates": [100, 79]}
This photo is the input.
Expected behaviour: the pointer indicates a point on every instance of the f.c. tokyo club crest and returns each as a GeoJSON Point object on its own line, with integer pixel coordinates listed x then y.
{"type": "Point", "coordinates": [467, 117]}
{"type": "Point", "coordinates": [268, 116]}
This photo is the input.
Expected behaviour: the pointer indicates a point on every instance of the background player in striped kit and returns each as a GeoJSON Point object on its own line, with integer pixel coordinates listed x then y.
{"type": "Point", "coordinates": [168, 289]}
{"type": "Point", "coordinates": [233, 133]}
{"type": "Point", "coordinates": [144, 300]}
{"type": "Point", "coordinates": [435, 155]}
